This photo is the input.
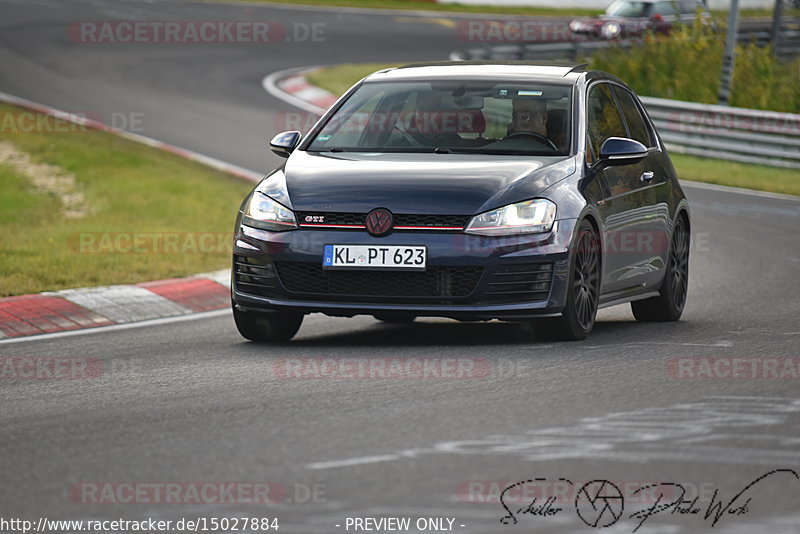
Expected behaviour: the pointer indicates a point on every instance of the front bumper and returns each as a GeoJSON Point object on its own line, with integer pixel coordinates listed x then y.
{"type": "Point", "coordinates": [468, 277]}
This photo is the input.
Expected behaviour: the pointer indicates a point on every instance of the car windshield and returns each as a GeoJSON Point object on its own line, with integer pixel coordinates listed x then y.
{"type": "Point", "coordinates": [458, 116]}
{"type": "Point", "coordinates": [623, 8]}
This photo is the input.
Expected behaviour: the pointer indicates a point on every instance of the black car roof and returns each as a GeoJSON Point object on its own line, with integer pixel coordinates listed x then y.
{"type": "Point", "coordinates": [564, 72]}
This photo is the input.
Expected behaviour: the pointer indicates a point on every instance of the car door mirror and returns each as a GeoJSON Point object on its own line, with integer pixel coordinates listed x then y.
{"type": "Point", "coordinates": [620, 151]}
{"type": "Point", "coordinates": [284, 143]}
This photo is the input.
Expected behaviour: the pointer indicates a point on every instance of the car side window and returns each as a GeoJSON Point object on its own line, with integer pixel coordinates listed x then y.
{"type": "Point", "coordinates": [665, 8]}
{"type": "Point", "coordinates": [688, 7]}
{"type": "Point", "coordinates": [637, 126]}
{"type": "Point", "coordinates": [603, 118]}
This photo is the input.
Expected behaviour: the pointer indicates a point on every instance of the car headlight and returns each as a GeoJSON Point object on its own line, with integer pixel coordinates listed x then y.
{"type": "Point", "coordinates": [263, 212]}
{"type": "Point", "coordinates": [611, 30]}
{"type": "Point", "coordinates": [529, 217]}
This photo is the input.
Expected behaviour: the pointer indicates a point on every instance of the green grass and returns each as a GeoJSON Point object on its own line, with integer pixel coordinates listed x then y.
{"type": "Point", "coordinates": [339, 78]}
{"type": "Point", "coordinates": [418, 5]}
{"type": "Point", "coordinates": [487, 8]}
{"type": "Point", "coordinates": [759, 177]}
{"type": "Point", "coordinates": [130, 189]}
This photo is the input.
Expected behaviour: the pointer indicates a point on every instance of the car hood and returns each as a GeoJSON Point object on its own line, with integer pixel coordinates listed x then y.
{"type": "Point", "coordinates": [446, 184]}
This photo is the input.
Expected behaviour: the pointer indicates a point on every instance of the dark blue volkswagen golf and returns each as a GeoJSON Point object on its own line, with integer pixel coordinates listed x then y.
{"type": "Point", "coordinates": [474, 191]}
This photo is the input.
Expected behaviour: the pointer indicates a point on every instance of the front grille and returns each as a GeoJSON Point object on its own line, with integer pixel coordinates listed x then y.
{"type": "Point", "coordinates": [400, 219]}
{"type": "Point", "coordinates": [458, 221]}
{"type": "Point", "coordinates": [526, 282]}
{"type": "Point", "coordinates": [434, 282]}
{"type": "Point", "coordinates": [255, 276]}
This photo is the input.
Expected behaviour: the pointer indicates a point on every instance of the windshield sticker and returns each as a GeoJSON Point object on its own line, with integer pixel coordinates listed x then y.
{"type": "Point", "coordinates": [324, 137]}
{"type": "Point", "coordinates": [529, 93]}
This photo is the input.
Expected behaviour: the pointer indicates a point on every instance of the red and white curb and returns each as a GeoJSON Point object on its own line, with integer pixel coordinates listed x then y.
{"type": "Point", "coordinates": [299, 87]}
{"type": "Point", "coordinates": [74, 309]}
{"type": "Point", "coordinates": [293, 87]}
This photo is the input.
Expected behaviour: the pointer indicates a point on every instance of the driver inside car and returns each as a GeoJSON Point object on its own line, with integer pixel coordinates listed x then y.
{"type": "Point", "coordinates": [529, 119]}
{"type": "Point", "coordinates": [528, 115]}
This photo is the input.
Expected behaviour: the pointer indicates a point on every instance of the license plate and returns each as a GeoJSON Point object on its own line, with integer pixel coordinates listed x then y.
{"type": "Point", "coordinates": [412, 258]}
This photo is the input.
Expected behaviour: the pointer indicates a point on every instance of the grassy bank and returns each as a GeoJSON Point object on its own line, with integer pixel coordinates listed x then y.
{"type": "Point", "coordinates": [488, 8]}
{"type": "Point", "coordinates": [721, 172]}
{"type": "Point", "coordinates": [118, 191]}
{"type": "Point", "coordinates": [339, 78]}
{"type": "Point", "coordinates": [420, 5]}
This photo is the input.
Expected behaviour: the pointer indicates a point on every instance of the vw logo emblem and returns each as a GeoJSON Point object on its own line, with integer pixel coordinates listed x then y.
{"type": "Point", "coordinates": [379, 222]}
{"type": "Point", "coordinates": [599, 503]}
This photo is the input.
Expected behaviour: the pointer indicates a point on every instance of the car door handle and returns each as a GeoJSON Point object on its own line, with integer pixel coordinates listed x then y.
{"type": "Point", "coordinates": [647, 176]}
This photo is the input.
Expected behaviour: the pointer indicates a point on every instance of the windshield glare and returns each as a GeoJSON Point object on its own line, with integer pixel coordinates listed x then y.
{"type": "Point", "coordinates": [623, 8]}
{"type": "Point", "coordinates": [459, 116]}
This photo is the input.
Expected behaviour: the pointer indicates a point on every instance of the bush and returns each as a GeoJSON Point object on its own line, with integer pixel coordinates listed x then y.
{"type": "Point", "coordinates": [686, 65]}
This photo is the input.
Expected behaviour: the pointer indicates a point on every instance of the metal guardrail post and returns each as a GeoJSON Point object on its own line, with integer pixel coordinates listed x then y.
{"type": "Point", "coordinates": [729, 60]}
{"type": "Point", "coordinates": [775, 30]}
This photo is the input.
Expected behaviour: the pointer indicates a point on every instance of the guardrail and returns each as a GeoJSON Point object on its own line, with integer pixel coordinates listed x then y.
{"type": "Point", "coordinates": [788, 46]}
{"type": "Point", "coordinates": [572, 50]}
{"type": "Point", "coordinates": [722, 132]}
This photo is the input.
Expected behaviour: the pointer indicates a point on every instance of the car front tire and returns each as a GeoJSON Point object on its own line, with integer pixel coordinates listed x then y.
{"type": "Point", "coordinates": [260, 326]}
{"type": "Point", "coordinates": [668, 305]}
{"type": "Point", "coordinates": [583, 292]}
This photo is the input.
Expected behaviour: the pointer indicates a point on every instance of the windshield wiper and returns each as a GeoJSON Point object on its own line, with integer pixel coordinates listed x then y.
{"type": "Point", "coordinates": [490, 151]}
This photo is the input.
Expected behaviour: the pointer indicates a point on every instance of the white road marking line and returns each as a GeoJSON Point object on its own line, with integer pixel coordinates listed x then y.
{"type": "Point", "coordinates": [722, 343]}
{"type": "Point", "coordinates": [150, 322]}
{"type": "Point", "coordinates": [738, 190]}
{"type": "Point", "coordinates": [355, 461]}
{"type": "Point", "coordinates": [696, 431]}
{"type": "Point", "coordinates": [123, 326]}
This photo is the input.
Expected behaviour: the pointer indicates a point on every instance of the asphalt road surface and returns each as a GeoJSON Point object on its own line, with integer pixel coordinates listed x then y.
{"type": "Point", "coordinates": [190, 401]}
